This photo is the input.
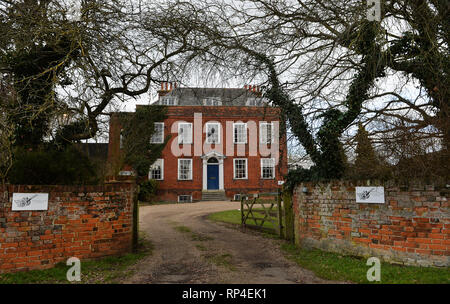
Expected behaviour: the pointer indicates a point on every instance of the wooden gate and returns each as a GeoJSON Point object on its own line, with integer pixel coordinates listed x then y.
{"type": "Point", "coordinates": [263, 211]}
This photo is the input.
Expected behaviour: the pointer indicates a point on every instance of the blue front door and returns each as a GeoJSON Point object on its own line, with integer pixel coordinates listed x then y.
{"type": "Point", "coordinates": [213, 177]}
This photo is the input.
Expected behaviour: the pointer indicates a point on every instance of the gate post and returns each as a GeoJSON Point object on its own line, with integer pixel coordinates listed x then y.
{"type": "Point", "coordinates": [289, 215]}
{"type": "Point", "coordinates": [136, 218]}
{"type": "Point", "coordinates": [280, 214]}
{"type": "Point", "coordinates": [242, 211]}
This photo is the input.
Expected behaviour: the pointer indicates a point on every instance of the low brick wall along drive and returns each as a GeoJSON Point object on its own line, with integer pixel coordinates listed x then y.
{"type": "Point", "coordinates": [412, 227]}
{"type": "Point", "coordinates": [86, 222]}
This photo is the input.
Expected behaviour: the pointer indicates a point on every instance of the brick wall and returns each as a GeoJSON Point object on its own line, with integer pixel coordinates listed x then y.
{"type": "Point", "coordinates": [81, 221]}
{"type": "Point", "coordinates": [411, 228]}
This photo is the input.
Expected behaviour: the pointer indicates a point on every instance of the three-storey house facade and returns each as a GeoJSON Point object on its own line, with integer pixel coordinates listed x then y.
{"type": "Point", "coordinates": [224, 142]}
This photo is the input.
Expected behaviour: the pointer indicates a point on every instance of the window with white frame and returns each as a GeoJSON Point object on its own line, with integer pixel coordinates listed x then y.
{"type": "Point", "coordinates": [158, 134]}
{"type": "Point", "coordinates": [266, 132]}
{"type": "Point", "coordinates": [185, 133]}
{"type": "Point", "coordinates": [252, 101]}
{"type": "Point", "coordinates": [157, 170]}
{"type": "Point", "coordinates": [212, 101]}
{"type": "Point", "coordinates": [185, 198]}
{"type": "Point", "coordinates": [240, 133]}
{"type": "Point", "coordinates": [169, 101]}
{"type": "Point", "coordinates": [213, 133]}
{"type": "Point", "coordinates": [185, 169]}
{"type": "Point", "coordinates": [240, 168]}
{"type": "Point", "coordinates": [268, 168]}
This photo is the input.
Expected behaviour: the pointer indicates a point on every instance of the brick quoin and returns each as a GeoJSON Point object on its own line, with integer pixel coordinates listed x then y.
{"type": "Point", "coordinates": [411, 228]}
{"type": "Point", "coordinates": [86, 222]}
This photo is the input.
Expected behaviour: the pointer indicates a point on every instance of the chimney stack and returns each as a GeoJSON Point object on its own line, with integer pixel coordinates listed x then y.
{"type": "Point", "coordinates": [255, 89]}
{"type": "Point", "coordinates": [166, 87]}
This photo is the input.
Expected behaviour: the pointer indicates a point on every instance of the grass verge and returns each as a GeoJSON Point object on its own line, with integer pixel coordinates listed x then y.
{"type": "Point", "coordinates": [234, 217]}
{"type": "Point", "coordinates": [100, 271]}
{"type": "Point", "coordinates": [333, 266]}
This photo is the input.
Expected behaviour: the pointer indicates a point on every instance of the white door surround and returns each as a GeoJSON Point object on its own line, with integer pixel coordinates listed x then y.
{"type": "Point", "coordinates": [220, 157]}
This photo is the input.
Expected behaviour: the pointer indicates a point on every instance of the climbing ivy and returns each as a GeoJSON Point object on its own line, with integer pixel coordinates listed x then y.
{"type": "Point", "coordinates": [326, 149]}
{"type": "Point", "coordinates": [137, 131]}
{"type": "Point", "coordinates": [36, 71]}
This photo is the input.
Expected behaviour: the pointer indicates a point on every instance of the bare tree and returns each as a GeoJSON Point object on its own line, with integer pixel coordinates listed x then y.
{"type": "Point", "coordinates": [328, 66]}
{"type": "Point", "coordinates": [6, 130]}
{"type": "Point", "coordinates": [75, 68]}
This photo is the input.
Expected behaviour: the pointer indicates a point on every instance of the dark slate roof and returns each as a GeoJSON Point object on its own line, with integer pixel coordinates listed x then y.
{"type": "Point", "coordinates": [196, 96]}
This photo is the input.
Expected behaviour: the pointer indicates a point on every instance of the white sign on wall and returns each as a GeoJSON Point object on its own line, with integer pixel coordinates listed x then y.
{"type": "Point", "coordinates": [374, 195]}
{"type": "Point", "coordinates": [29, 201]}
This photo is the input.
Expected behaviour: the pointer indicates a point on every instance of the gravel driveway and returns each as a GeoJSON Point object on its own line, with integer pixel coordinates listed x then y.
{"type": "Point", "coordinates": [188, 248]}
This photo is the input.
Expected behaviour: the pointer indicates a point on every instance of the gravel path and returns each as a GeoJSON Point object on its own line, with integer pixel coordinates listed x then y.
{"type": "Point", "coordinates": [188, 248]}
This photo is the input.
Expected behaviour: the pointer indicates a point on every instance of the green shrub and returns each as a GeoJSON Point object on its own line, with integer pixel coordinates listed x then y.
{"type": "Point", "coordinates": [147, 190]}
{"type": "Point", "coordinates": [51, 166]}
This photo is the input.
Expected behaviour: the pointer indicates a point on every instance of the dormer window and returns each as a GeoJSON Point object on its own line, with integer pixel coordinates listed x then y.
{"type": "Point", "coordinates": [169, 101]}
{"type": "Point", "coordinates": [253, 102]}
{"type": "Point", "coordinates": [212, 101]}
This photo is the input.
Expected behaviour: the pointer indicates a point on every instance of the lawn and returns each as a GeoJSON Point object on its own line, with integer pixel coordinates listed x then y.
{"type": "Point", "coordinates": [100, 271]}
{"type": "Point", "coordinates": [234, 217]}
{"type": "Point", "coordinates": [333, 266]}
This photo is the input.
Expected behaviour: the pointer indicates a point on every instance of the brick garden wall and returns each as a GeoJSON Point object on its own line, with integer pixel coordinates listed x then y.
{"type": "Point", "coordinates": [411, 228]}
{"type": "Point", "coordinates": [81, 221]}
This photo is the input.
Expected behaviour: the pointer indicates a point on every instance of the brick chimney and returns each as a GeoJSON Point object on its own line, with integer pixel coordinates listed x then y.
{"type": "Point", "coordinates": [254, 89]}
{"type": "Point", "coordinates": [167, 87]}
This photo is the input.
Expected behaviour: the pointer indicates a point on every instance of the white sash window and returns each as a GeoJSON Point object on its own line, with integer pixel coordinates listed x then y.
{"type": "Point", "coordinates": [185, 133]}
{"type": "Point", "coordinates": [240, 168]}
{"type": "Point", "coordinates": [268, 168]}
{"type": "Point", "coordinates": [185, 169]}
{"type": "Point", "coordinates": [213, 133]}
{"type": "Point", "coordinates": [266, 133]}
{"type": "Point", "coordinates": [240, 133]}
{"type": "Point", "coordinates": [158, 134]}
{"type": "Point", "coordinates": [157, 170]}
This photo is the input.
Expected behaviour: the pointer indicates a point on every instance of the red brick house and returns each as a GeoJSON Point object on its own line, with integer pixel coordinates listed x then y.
{"type": "Point", "coordinates": [224, 142]}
